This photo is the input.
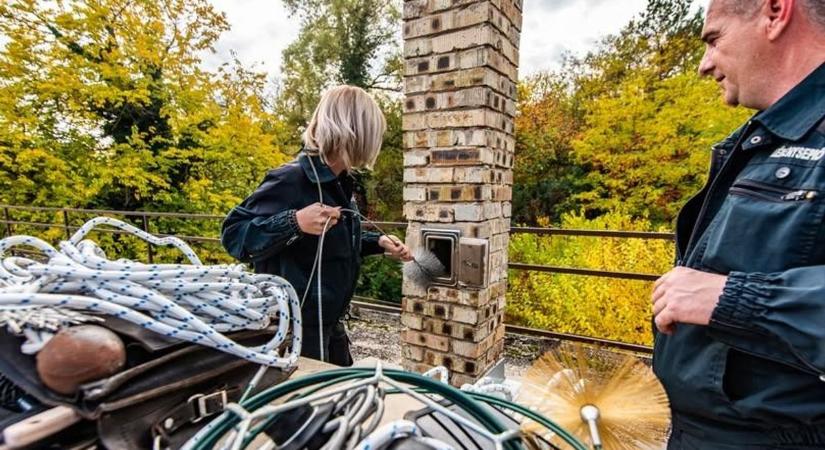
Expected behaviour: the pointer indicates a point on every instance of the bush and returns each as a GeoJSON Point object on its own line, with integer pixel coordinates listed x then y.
{"type": "Point", "coordinates": [600, 307]}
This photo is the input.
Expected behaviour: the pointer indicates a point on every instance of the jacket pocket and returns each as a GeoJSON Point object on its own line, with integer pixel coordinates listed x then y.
{"type": "Point", "coordinates": [762, 227]}
{"type": "Point", "coordinates": [770, 193]}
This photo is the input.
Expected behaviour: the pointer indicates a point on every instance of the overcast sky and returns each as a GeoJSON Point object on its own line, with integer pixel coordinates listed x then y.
{"type": "Point", "coordinates": [261, 30]}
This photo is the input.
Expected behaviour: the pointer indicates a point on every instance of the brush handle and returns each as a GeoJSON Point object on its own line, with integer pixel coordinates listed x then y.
{"type": "Point", "coordinates": [35, 428]}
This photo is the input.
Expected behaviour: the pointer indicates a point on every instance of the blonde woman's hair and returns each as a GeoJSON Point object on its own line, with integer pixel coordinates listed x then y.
{"type": "Point", "coordinates": [348, 126]}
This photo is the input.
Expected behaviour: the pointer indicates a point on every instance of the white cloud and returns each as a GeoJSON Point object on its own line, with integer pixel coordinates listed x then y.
{"type": "Point", "coordinates": [261, 30]}
{"type": "Point", "coordinates": [552, 27]}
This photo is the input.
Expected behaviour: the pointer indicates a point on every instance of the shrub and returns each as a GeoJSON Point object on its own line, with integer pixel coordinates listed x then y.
{"type": "Point", "coordinates": [592, 306]}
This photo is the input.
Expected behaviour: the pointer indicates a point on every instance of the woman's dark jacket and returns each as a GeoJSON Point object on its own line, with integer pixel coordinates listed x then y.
{"type": "Point", "coordinates": [263, 230]}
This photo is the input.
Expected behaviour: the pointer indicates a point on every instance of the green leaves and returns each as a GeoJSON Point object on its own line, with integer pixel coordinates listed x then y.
{"type": "Point", "coordinates": [103, 103]}
{"type": "Point", "coordinates": [628, 125]}
{"type": "Point", "coordinates": [341, 42]}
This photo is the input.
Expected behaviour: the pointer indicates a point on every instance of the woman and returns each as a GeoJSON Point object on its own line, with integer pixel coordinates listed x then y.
{"type": "Point", "coordinates": [277, 228]}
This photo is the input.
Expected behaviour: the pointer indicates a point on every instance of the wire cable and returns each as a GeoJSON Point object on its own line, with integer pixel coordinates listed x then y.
{"type": "Point", "coordinates": [483, 421]}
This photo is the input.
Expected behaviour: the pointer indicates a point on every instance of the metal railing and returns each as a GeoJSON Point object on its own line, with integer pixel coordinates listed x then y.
{"type": "Point", "coordinates": [9, 223]}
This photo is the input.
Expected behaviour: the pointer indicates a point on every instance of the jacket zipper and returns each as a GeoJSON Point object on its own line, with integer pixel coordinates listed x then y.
{"type": "Point", "coordinates": [767, 192]}
{"type": "Point", "coordinates": [715, 154]}
{"type": "Point", "coordinates": [703, 210]}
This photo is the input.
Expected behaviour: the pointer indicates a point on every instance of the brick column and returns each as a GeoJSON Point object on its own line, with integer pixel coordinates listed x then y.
{"type": "Point", "coordinates": [461, 60]}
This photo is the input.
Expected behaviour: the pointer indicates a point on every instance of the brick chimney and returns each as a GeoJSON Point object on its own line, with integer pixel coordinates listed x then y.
{"type": "Point", "coordinates": [461, 63]}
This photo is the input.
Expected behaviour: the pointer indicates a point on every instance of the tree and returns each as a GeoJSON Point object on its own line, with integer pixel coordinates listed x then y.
{"type": "Point", "coordinates": [103, 103]}
{"type": "Point", "coordinates": [628, 124]}
{"type": "Point", "coordinates": [649, 146]}
{"type": "Point", "coordinates": [546, 177]}
{"type": "Point", "coordinates": [351, 42]}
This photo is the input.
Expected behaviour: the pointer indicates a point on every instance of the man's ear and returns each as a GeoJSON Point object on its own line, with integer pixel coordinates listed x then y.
{"type": "Point", "coordinates": [777, 14]}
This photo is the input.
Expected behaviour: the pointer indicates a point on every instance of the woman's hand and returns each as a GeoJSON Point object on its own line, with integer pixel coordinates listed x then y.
{"type": "Point", "coordinates": [395, 248]}
{"type": "Point", "coordinates": [311, 220]}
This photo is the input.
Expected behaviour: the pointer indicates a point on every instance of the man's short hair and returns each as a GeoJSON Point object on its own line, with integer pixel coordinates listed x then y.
{"type": "Point", "coordinates": [815, 9]}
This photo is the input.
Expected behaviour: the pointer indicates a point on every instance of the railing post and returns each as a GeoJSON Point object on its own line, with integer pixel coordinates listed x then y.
{"type": "Point", "coordinates": [66, 224]}
{"type": "Point", "coordinates": [150, 251]}
{"type": "Point", "coordinates": [8, 221]}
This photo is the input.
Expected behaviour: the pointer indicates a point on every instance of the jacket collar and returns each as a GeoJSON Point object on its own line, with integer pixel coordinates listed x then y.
{"type": "Point", "coordinates": [795, 114]}
{"type": "Point", "coordinates": [325, 174]}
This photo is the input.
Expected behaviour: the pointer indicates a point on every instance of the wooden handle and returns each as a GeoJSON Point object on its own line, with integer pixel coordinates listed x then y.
{"type": "Point", "coordinates": [39, 426]}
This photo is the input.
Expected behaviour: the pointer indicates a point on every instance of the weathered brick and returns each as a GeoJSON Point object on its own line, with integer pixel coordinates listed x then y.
{"type": "Point", "coordinates": [492, 210]}
{"type": "Point", "coordinates": [471, 137]}
{"type": "Point", "coordinates": [426, 340]}
{"type": "Point", "coordinates": [412, 321]}
{"type": "Point", "coordinates": [472, 175]}
{"type": "Point", "coordinates": [462, 118]}
{"type": "Point", "coordinates": [412, 352]}
{"type": "Point", "coordinates": [499, 242]}
{"type": "Point", "coordinates": [463, 98]}
{"type": "Point", "coordinates": [457, 156]}
{"type": "Point", "coordinates": [461, 60]}
{"type": "Point", "coordinates": [461, 79]}
{"type": "Point", "coordinates": [466, 314]}
{"type": "Point", "coordinates": [473, 14]}
{"type": "Point", "coordinates": [428, 212]}
{"type": "Point", "coordinates": [429, 175]}
{"type": "Point", "coordinates": [456, 364]}
{"type": "Point", "coordinates": [469, 349]}
{"type": "Point", "coordinates": [416, 158]}
{"type": "Point", "coordinates": [483, 35]}
{"type": "Point", "coordinates": [416, 367]}
{"type": "Point", "coordinates": [507, 209]}
{"type": "Point", "coordinates": [414, 9]}
{"type": "Point", "coordinates": [415, 306]}
{"type": "Point", "coordinates": [465, 297]}
{"type": "Point", "coordinates": [471, 212]}
{"type": "Point", "coordinates": [502, 194]}
{"type": "Point", "coordinates": [411, 290]}
{"type": "Point", "coordinates": [497, 290]}
{"type": "Point", "coordinates": [448, 194]}
{"type": "Point", "coordinates": [415, 194]}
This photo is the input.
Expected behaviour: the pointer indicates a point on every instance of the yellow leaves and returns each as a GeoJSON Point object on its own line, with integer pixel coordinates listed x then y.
{"type": "Point", "coordinates": [649, 142]}
{"type": "Point", "coordinates": [602, 307]}
{"type": "Point", "coordinates": [112, 92]}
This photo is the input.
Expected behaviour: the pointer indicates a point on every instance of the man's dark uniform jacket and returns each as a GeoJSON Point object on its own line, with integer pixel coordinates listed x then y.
{"type": "Point", "coordinates": [756, 374]}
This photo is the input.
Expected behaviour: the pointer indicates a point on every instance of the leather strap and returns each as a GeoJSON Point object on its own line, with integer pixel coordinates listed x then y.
{"type": "Point", "coordinates": [195, 409]}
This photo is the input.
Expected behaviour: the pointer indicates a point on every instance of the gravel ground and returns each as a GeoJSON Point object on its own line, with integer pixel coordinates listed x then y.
{"type": "Point", "coordinates": [375, 334]}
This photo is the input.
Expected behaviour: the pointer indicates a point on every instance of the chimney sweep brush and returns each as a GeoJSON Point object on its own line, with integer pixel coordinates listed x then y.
{"type": "Point", "coordinates": [424, 268]}
{"type": "Point", "coordinates": [612, 403]}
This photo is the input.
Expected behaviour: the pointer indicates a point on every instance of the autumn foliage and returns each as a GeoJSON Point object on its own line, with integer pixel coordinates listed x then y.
{"type": "Point", "coordinates": [106, 104]}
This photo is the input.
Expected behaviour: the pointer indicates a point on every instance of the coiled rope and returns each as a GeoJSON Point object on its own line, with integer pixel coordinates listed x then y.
{"type": "Point", "coordinates": [190, 302]}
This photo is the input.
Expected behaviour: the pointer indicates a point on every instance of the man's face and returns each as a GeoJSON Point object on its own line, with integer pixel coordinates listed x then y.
{"type": "Point", "coordinates": [732, 54]}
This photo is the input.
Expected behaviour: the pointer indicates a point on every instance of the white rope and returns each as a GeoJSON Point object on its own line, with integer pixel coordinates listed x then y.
{"type": "Point", "coordinates": [190, 302]}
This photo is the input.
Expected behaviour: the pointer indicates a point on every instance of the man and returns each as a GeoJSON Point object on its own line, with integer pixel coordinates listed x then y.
{"type": "Point", "coordinates": [740, 341]}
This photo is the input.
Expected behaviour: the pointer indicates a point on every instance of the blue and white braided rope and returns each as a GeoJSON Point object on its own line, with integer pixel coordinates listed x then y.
{"type": "Point", "coordinates": [189, 302]}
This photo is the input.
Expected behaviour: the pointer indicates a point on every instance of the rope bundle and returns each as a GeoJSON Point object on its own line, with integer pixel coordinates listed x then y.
{"type": "Point", "coordinates": [190, 302]}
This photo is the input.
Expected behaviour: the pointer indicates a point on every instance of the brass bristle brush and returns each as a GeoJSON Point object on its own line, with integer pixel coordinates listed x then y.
{"type": "Point", "coordinates": [611, 403]}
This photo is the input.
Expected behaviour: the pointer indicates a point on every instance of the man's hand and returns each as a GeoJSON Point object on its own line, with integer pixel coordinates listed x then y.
{"type": "Point", "coordinates": [685, 296]}
{"type": "Point", "coordinates": [311, 220]}
{"type": "Point", "coordinates": [395, 248]}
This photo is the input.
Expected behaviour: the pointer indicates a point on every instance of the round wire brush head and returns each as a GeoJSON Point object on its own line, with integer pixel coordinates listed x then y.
{"type": "Point", "coordinates": [631, 406]}
{"type": "Point", "coordinates": [424, 268]}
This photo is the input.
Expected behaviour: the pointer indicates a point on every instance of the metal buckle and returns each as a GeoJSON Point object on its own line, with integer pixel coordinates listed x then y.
{"type": "Point", "coordinates": [157, 443]}
{"type": "Point", "coordinates": [202, 408]}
